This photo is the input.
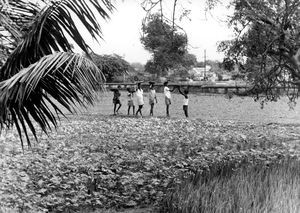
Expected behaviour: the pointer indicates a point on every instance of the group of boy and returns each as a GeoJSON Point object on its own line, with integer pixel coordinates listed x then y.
{"type": "Point", "coordinates": [152, 99]}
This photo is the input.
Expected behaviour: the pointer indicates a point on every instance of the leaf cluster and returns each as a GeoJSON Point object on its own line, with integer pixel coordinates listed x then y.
{"type": "Point", "coordinates": [165, 42]}
{"type": "Point", "coordinates": [38, 68]}
{"type": "Point", "coordinates": [267, 39]}
{"type": "Point", "coordinates": [111, 65]}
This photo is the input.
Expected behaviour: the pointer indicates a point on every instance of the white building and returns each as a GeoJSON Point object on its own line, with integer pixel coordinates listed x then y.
{"type": "Point", "coordinates": [199, 73]}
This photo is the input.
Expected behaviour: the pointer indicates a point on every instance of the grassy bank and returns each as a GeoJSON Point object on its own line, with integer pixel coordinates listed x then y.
{"type": "Point", "coordinates": [259, 188]}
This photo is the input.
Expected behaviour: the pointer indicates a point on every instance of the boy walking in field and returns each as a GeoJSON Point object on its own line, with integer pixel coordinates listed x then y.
{"type": "Point", "coordinates": [167, 93]}
{"type": "Point", "coordinates": [130, 101]}
{"type": "Point", "coordinates": [185, 101]}
{"type": "Point", "coordinates": [152, 97]}
{"type": "Point", "coordinates": [116, 99]}
{"type": "Point", "coordinates": [140, 99]}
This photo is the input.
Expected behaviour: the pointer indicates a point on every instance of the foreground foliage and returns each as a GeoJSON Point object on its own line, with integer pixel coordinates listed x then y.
{"type": "Point", "coordinates": [38, 67]}
{"type": "Point", "coordinates": [103, 162]}
{"type": "Point", "coordinates": [260, 188]}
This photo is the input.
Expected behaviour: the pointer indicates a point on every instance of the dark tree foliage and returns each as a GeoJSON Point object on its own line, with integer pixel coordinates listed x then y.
{"type": "Point", "coordinates": [228, 64]}
{"type": "Point", "coordinates": [111, 65]}
{"type": "Point", "coordinates": [267, 43]}
{"type": "Point", "coordinates": [167, 45]}
{"type": "Point", "coordinates": [189, 60]}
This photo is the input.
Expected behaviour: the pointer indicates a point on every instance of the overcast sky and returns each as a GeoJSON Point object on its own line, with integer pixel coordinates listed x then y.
{"type": "Point", "coordinates": [122, 32]}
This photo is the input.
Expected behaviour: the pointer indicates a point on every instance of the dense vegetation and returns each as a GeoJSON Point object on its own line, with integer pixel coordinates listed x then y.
{"type": "Point", "coordinates": [266, 45]}
{"type": "Point", "coordinates": [266, 187]}
{"type": "Point", "coordinates": [101, 162]}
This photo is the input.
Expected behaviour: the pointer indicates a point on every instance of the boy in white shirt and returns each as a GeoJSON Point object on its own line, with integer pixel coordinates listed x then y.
{"type": "Point", "coordinates": [185, 101]}
{"type": "Point", "coordinates": [130, 100]}
{"type": "Point", "coordinates": [140, 99]}
{"type": "Point", "coordinates": [167, 93]}
{"type": "Point", "coordinates": [152, 97]}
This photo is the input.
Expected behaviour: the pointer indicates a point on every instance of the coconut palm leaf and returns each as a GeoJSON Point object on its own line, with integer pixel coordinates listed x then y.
{"type": "Point", "coordinates": [41, 75]}
{"type": "Point", "coordinates": [48, 29]}
{"type": "Point", "coordinates": [37, 93]}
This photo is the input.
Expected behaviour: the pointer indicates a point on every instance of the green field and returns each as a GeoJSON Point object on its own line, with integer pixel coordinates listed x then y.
{"type": "Point", "coordinates": [210, 107]}
{"type": "Point", "coordinates": [95, 161]}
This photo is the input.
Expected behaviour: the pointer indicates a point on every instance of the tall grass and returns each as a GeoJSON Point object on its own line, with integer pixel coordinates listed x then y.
{"type": "Point", "coordinates": [274, 188]}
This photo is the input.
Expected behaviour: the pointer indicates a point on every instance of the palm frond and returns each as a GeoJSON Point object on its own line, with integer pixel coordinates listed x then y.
{"type": "Point", "coordinates": [37, 93]}
{"type": "Point", "coordinates": [45, 29]}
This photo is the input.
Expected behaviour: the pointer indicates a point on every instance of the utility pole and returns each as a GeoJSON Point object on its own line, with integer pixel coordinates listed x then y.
{"type": "Point", "coordinates": [124, 76]}
{"type": "Point", "coordinates": [204, 64]}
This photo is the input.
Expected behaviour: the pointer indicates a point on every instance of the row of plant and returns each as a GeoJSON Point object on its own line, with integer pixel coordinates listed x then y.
{"type": "Point", "coordinates": [260, 187]}
{"type": "Point", "coordinates": [105, 162]}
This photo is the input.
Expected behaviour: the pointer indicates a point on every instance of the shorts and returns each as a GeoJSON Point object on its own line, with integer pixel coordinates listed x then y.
{"type": "Point", "coordinates": [130, 103]}
{"type": "Point", "coordinates": [167, 101]}
{"type": "Point", "coordinates": [151, 101]}
{"type": "Point", "coordinates": [116, 101]}
{"type": "Point", "coordinates": [185, 107]}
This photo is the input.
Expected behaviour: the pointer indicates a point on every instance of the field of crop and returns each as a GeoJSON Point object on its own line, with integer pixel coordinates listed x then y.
{"type": "Point", "coordinates": [97, 161]}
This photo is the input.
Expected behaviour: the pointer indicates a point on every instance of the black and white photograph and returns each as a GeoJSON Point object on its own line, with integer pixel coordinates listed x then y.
{"type": "Point", "coordinates": [149, 106]}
